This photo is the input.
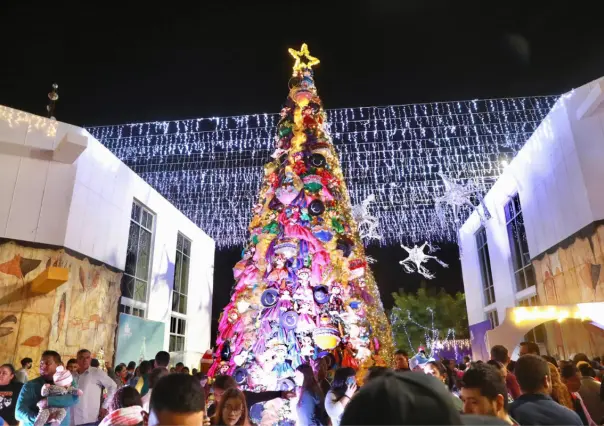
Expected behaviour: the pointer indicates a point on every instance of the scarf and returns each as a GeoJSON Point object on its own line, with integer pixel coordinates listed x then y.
{"type": "Point", "coordinates": [124, 416]}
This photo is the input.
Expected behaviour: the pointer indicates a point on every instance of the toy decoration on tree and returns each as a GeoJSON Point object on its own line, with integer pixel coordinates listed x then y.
{"type": "Point", "coordinates": [303, 289]}
{"type": "Point", "coordinates": [414, 262]}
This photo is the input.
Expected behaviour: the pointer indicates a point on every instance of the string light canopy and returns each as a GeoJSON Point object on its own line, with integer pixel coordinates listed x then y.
{"type": "Point", "coordinates": [211, 168]}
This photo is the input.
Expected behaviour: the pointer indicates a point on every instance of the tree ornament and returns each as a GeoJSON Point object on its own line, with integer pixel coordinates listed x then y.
{"type": "Point", "coordinates": [225, 352]}
{"type": "Point", "coordinates": [316, 208]}
{"type": "Point", "coordinates": [303, 59]}
{"type": "Point", "coordinates": [317, 160]}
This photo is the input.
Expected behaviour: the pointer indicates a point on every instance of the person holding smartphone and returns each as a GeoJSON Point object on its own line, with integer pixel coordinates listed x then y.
{"type": "Point", "coordinates": [343, 387]}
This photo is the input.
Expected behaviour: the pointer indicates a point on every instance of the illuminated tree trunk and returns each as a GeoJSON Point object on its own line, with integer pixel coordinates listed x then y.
{"type": "Point", "coordinates": [303, 288]}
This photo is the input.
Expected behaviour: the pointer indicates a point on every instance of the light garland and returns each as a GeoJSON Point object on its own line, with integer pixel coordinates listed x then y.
{"type": "Point", "coordinates": [211, 168]}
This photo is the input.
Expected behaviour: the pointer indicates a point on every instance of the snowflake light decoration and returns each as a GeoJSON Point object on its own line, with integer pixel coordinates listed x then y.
{"type": "Point", "coordinates": [456, 196]}
{"type": "Point", "coordinates": [414, 262]}
{"type": "Point", "coordinates": [367, 223]}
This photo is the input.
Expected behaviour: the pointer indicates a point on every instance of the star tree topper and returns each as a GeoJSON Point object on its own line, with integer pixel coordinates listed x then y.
{"type": "Point", "coordinates": [417, 257]}
{"type": "Point", "coordinates": [299, 66]}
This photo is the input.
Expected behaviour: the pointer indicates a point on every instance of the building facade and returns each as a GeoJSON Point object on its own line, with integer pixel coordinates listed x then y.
{"type": "Point", "coordinates": [544, 244]}
{"type": "Point", "coordinates": [67, 205]}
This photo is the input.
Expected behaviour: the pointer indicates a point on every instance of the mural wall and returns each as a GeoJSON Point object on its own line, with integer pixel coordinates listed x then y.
{"type": "Point", "coordinates": [81, 313]}
{"type": "Point", "coordinates": [572, 273]}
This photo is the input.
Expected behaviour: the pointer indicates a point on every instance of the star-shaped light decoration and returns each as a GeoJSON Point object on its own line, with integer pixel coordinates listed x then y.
{"type": "Point", "coordinates": [366, 223]}
{"type": "Point", "coordinates": [414, 262]}
{"type": "Point", "coordinates": [298, 55]}
{"type": "Point", "coordinates": [456, 196]}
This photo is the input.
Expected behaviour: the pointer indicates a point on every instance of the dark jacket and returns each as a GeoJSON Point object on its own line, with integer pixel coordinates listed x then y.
{"type": "Point", "coordinates": [540, 409]}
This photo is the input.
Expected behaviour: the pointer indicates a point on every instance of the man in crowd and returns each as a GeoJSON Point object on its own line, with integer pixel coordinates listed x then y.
{"type": "Point", "coordinates": [571, 377]}
{"type": "Point", "coordinates": [72, 366]}
{"type": "Point", "coordinates": [91, 381]}
{"type": "Point", "coordinates": [401, 361]}
{"type": "Point", "coordinates": [223, 383]}
{"type": "Point", "coordinates": [535, 406]}
{"type": "Point", "coordinates": [500, 353]}
{"type": "Point", "coordinates": [21, 374]}
{"type": "Point", "coordinates": [529, 348]}
{"type": "Point", "coordinates": [162, 360]}
{"type": "Point", "coordinates": [131, 369]}
{"type": "Point", "coordinates": [179, 367]}
{"type": "Point", "coordinates": [27, 409]}
{"type": "Point", "coordinates": [484, 393]}
{"type": "Point", "coordinates": [177, 399]}
{"type": "Point", "coordinates": [590, 392]}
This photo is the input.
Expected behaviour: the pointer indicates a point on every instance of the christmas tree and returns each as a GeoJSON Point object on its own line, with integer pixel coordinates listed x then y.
{"type": "Point", "coordinates": [303, 287]}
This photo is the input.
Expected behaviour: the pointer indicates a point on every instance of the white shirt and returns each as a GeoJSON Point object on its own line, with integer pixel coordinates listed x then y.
{"type": "Point", "coordinates": [334, 408]}
{"type": "Point", "coordinates": [146, 400]}
{"type": "Point", "coordinates": [92, 382]}
{"type": "Point", "coordinates": [21, 375]}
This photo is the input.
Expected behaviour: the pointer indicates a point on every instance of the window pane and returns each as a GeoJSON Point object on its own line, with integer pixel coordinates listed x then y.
{"type": "Point", "coordinates": [181, 343]}
{"type": "Point", "coordinates": [187, 247]}
{"type": "Point", "coordinates": [127, 286]}
{"type": "Point", "coordinates": [182, 307]}
{"type": "Point", "coordinates": [140, 291]}
{"type": "Point", "coordinates": [175, 300]}
{"type": "Point", "coordinates": [530, 277]}
{"type": "Point", "coordinates": [132, 249]}
{"type": "Point", "coordinates": [136, 212]}
{"type": "Point", "coordinates": [144, 250]}
{"type": "Point", "coordinates": [520, 282]}
{"type": "Point", "coordinates": [179, 243]}
{"type": "Point", "coordinates": [172, 325]}
{"type": "Point", "coordinates": [184, 288]}
{"type": "Point", "coordinates": [181, 326]}
{"type": "Point", "coordinates": [172, 347]}
{"type": "Point", "coordinates": [177, 271]}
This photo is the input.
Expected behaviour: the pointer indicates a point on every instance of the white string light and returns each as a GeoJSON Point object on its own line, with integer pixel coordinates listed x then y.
{"type": "Point", "coordinates": [211, 168]}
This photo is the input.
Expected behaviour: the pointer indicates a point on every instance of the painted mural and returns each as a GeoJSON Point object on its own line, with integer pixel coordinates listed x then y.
{"type": "Point", "coordinates": [572, 273]}
{"type": "Point", "coordinates": [81, 313]}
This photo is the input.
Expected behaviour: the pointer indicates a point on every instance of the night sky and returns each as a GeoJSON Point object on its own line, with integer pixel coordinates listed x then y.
{"type": "Point", "coordinates": [226, 58]}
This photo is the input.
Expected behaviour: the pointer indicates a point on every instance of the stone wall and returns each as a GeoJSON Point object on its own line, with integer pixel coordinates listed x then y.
{"type": "Point", "coordinates": [81, 313]}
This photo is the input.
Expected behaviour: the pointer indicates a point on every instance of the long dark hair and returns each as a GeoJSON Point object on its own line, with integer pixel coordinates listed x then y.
{"type": "Point", "coordinates": [310, 382]}
{"type": "Point", "coordinates": [124, 397]}
{"type": "Point", "coordinates": [232, 393]}
{"type": "Point", "coordinates": [339, 386]}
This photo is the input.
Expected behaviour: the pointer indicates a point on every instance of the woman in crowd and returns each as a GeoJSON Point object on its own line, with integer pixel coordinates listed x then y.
{"type": "Point", "coordinates": [232, 409]}
{"type": "Point", "coordinates": [120, 376]}
{"type": "Point", "coordinates": [344, 385]}
{"type": "Point", "coordinates": [438, 370]}
{"type": "Point", "coordinates": [125, 408]}
{"type": "Point", "coordinates": [310, 398]}
{"type": "Point", "coordinates": [9, 392]}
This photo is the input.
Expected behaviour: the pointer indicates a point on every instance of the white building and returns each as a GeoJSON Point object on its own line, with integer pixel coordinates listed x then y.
{"type": "Point", "coordinates": [60, 188]}
{"type": "Point", "coordinates": [544, 244]}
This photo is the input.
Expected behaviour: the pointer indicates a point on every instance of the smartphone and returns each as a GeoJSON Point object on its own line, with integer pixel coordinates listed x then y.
{"type": "Point", "coordinates": [350, 381]}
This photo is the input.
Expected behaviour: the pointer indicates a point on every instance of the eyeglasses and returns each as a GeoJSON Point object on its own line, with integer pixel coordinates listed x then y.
{"type": "Point", "coordinates": [232, 409]}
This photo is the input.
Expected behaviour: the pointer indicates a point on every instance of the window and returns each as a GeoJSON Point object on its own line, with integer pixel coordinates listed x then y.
{"type": "Point", "coordinates": [537, 334]}
{"type": "Point", "coordinates": [493, 318]}
{"type": "Point", "coordinates": [138, 259]}
{"type": "Point", "coordinates": [524, 273]}
{"type": "Point", "coordinates": [126, 309]}
{"type": "Point", "coordinates": [177, 334]}
{"type": "Point", "coordinates": [181, 274]}
{"type": "Point", "coordinates": [485, 267]}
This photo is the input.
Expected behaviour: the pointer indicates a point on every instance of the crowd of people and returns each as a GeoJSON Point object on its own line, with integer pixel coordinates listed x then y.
{"type": "Point", "coordinates": [534, 390]}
